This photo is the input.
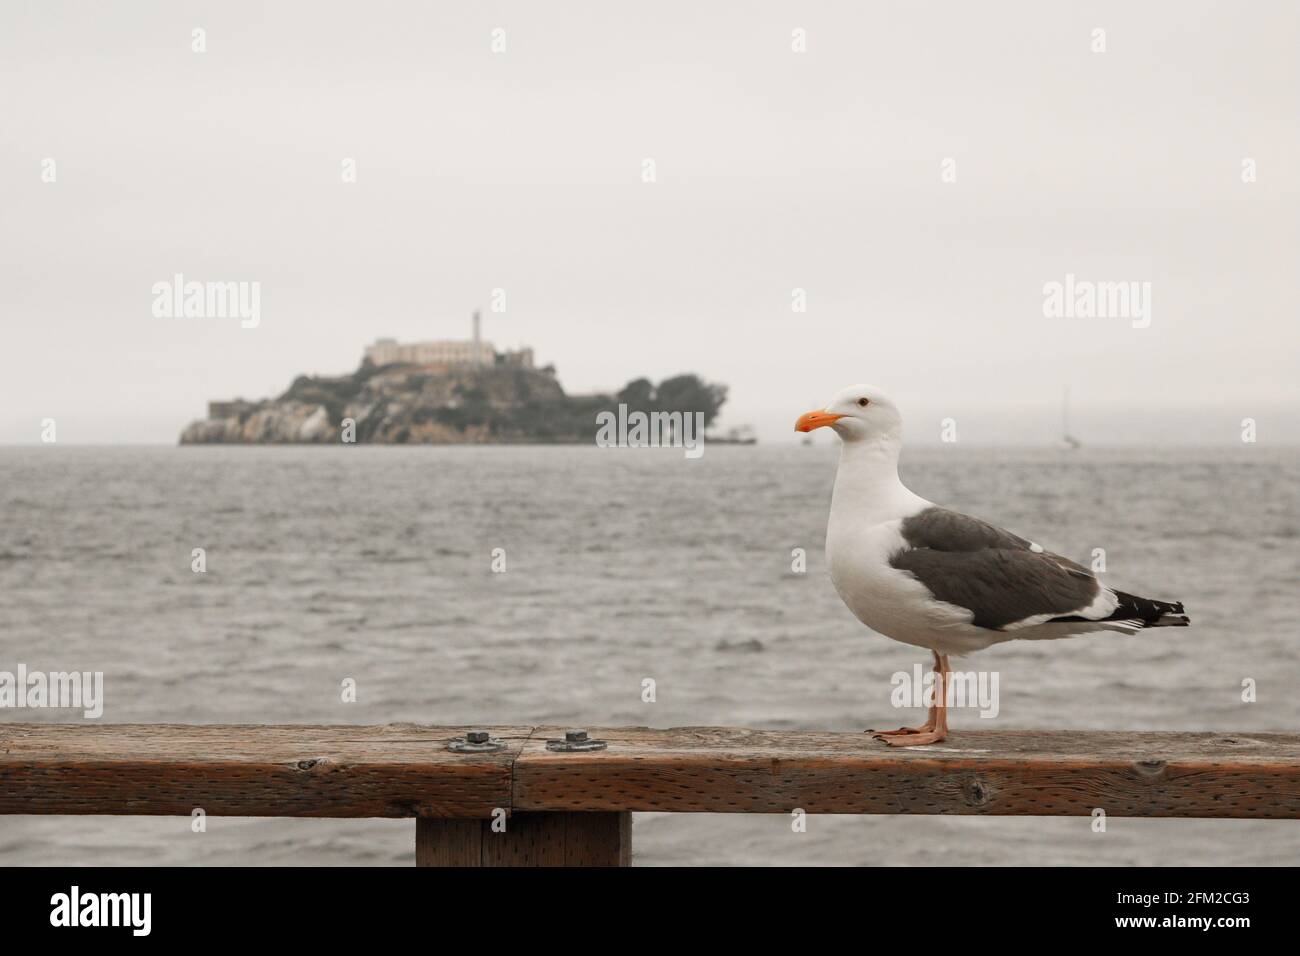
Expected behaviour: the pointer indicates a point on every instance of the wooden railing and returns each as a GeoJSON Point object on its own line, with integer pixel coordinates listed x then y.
{"type": "Point", "coordinates": [525, 804]}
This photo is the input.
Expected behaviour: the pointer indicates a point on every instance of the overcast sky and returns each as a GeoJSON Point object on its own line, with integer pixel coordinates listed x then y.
{"type": "Point", "coordinates": [776, 170]}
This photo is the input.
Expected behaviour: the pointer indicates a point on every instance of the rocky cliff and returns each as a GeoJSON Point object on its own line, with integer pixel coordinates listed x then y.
{"type": "Point", "coordinates": [407, 403]}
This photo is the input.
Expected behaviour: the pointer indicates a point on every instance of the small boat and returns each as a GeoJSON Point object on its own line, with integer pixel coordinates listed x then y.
{"type": "Point", "coordinates": [1068, 441]}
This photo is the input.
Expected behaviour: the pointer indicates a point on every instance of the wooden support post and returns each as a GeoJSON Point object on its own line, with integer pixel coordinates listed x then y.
{"type": "Point", "coordinates": [530, 839]}
{"type": "Point", "coordinates": [449, 842]}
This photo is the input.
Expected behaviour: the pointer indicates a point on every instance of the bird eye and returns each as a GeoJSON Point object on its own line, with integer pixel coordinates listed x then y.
{"type": "Point", "coordinates": [863, 402]}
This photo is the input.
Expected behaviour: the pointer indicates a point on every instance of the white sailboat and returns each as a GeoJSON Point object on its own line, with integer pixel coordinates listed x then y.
{"type": "Point", "coordinates": [1068, 441]}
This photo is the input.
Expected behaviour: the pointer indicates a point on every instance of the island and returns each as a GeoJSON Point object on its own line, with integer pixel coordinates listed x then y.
{"type": "Point", "coordinates": [445, 392]}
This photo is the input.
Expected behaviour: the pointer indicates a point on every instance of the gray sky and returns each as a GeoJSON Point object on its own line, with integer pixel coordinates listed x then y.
{"type": "Point", "coordinates": [775, 170]}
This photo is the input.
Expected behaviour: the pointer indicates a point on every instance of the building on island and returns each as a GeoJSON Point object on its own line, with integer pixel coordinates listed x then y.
{"type": "Point", "coordinates": [446, 352]}
{"type": "Point", "coordinates": [436, 356]}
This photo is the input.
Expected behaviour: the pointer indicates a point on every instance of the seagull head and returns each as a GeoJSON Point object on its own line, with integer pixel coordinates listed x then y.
{"type": "Point", "coordinates": [856, 413]}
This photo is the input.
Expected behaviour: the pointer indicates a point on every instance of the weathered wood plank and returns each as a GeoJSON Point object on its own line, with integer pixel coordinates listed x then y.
{"type": "Point", "coordinates": [406, 770]}
{"type": "Point", "coordinates": [395, 770]}
{"type": "Point", "coordinates": [731, 770]}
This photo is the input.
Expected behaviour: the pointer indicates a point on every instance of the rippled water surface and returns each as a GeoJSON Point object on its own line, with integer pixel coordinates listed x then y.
{"type": "Point", "coordinates": [375, 563]}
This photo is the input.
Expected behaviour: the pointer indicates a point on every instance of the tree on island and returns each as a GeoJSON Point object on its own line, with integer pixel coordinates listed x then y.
{"type": "Point", "coordinates": [638, 395]}
{"type": "Point", "coordinates": [690, 393]}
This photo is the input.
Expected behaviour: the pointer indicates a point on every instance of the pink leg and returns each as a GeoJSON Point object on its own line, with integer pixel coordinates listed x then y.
{"type": "Point", "coordinates": [935, 728]}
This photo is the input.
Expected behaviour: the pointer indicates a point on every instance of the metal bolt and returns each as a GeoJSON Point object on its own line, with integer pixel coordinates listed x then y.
{"type": "Point", "coordinates": [476, 742]}
{"type": "Point", "coordinates": [575, 741]}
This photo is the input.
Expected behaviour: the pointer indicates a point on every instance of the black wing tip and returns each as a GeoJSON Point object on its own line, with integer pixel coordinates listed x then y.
{"type": "Point", "coordinates": [1138, 612]}
{"type": "Point", "coordinates": [1153, 613]}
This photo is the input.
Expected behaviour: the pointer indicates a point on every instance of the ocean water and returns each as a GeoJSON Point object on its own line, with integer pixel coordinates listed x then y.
{"type": "Point", "coordinates": [375, 563]}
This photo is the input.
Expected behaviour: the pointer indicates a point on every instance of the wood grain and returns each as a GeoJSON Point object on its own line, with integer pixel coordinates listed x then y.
{"type": "Point", "coordinates": [449, 842]}
{"type": "Point", "coordinates": [406, 771]}
{"type": "Point", "coordinates": [529, 839]}
{"type": "Point", "coordinates": [394, 770]}
{"type": "Point", "coordinates": [732, 770]}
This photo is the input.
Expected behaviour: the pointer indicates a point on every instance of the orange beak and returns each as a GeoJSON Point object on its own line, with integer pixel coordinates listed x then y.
{"type": "Point", "coordinates": [810, 420]}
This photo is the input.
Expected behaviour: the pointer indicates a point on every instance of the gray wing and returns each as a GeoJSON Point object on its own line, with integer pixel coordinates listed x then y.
{"type": "Point", "coordinates": [999, 577]}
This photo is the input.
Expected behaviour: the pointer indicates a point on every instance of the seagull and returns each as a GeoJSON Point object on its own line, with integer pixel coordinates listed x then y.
{"type": "Point", "coordinates": [930, 577]}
